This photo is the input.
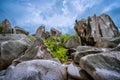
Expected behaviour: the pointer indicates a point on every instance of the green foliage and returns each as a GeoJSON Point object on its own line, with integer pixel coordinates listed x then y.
{"type": "Point", "coordinates": [55, 44]}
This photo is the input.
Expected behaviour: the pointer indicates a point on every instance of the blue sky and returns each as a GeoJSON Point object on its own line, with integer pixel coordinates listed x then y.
{"type": "Point", "coordinates": [60, 14]}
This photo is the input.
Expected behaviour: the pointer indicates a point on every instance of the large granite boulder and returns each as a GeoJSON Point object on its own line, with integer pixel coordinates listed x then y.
{"type": "Point", "coordinates": [106, 43]}
{"type": "Point", "coordinates": [72, 43]}
{"type": "Point", "coordinates": [40, 32]}
{"type": "Point", "coordinates": [19, 30]}
{"type": "Point", "coordinates": [54, 32]}
{"type": "Point", "coordinates": [96, 27]}
{"type": "Point", "coordinates": [13, 37]}
{"type": "Point", "coordinates": [5, 27]}
{"type": "Point", "coordinates": [76, 73]}
{"type": "Point", "coordinates": [37, 50]}
{"type": "Point", "coordinates": [11, 49]}
{"type": "Point", "coordinates": [82, 51]}
{"type": "Point", "coordinates": [103, 66]}
{"type": "Point", "coordinates": [37, 70]}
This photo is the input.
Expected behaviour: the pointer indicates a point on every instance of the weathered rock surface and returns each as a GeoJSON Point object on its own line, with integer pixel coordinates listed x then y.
{"type": "Point", "coordinates": [106, 43]}
{"type": "Point", "coordinates": [82, 51]}
{"type": "Point", "coordinates": [54, 32]}
{"type": "Point", "coordinates": [6, 27]}
{"type": "Point", "coordinates": [37, 70]}
{"type": "Point", "coordinates": [116, 48]}
{"type": "Point", "coordinates": [7, 37]}
{"type": "Point", "coordinates": [2, 74]}
{"type": "Point", "coordinates": [40, 33]}
{"type": "Point", "coordinates": [71, 43]}
{"type": "Point", "coordinates": [37, 50]}
{"type": "Point", "coordinates": [103, 66]}
{"type": "Point", "coordinates": [96, 27]}
{"type": "Point", "coordinates": [19, 30]}
{"type": "Point", "coordinates": [11, 47]}
{"type": "Point", "coordinates": [75, 72]}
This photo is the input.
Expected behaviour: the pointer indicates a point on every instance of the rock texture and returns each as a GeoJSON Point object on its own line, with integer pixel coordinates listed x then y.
{"type": "Point", "coordinates": [83, 51]}
{"type": "Point", "coordinates": [96, 27]}
{"type": "Point", "coordinates": [37, 70]}
{"type": "Point", "coordinates": [76, 73]}
{"type": "Point", "coordinates": [29, 58]}
{"type": "Point", "coordinates": [6, 27]}
{"type": "Point", "coordinates": [54, 32]}
{"type": "Point", "coordinates": [37, 50]}
{"type": "Point", "coordinates": [71, 43]}
{"type": "Point", "coordinates": [11, 47]}
{"type": "Point", "coordinates": [104, 66]}
{"type": "Point", "coordinates": [19, 30]}
{"type": "Point", "coordinates": [40, 32]}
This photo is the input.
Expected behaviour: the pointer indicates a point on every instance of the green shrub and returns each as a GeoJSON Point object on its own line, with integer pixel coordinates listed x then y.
{"type": "Point", "coordinates": [55, 44]}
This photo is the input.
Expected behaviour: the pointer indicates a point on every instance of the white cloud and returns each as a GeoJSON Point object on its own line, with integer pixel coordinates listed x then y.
{"type": "Point", "coordinates": [70, 11]}
{"type": "Point", "coordinates": [59, 21]}
{"type": "Point", "coordinates": [82, 5]}
{"type": "Point", "coordinates": [110, 7]}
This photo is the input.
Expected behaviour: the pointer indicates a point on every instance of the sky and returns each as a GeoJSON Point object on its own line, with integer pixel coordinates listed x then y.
{"type": "Point", "coordinates": [60, 14]}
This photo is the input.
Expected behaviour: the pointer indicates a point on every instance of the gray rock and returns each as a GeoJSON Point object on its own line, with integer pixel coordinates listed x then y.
{"type": "Point", "coordinates": [6, 27]}
{"type": "Point", "coordinates": [2, 73]}
{"type": "Point", "coordinates": [75, 72]}
{"type": "Point", "coordinates": [115, 40]}
{"type": "Point", "coordinates": [83, 51]}
{"type": "Point", "coordinates": [71, 43]}
{"type": "Point", "coordinates": [55, 32]}
{"type": "Point", "coordinates": [106, 42]}
{"type": "Point", "coordinates": [40, 33]}
{"type": "Point", "coordinates": [7, 37]}
{"type": "Point", "coordinates": [12, 49]}
{"type": "Point", "coordinates": [103, 66]}
{"type": "Point", "coordinates": [19, 30]}
{"type": "Point", "coordinates": [37, 50]}
{"type": "Point", "coordinates": [116, 48]}
{"type": "Point", "coordinates": [96, 27]}
{"type": "Point", "coordinates": [38, 70]}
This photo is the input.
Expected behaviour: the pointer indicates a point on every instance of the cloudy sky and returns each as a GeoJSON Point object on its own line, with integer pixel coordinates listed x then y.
{"type": "Point", "coordinates": [60, 14]}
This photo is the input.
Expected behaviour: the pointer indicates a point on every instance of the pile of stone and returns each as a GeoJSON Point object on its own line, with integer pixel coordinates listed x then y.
{"type": "Point", "coordinates": [97, 59]}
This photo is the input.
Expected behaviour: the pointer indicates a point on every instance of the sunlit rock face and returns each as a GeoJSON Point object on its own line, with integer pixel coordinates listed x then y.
{"type": "Point", "coordinates": [37, 70]}
{"type": "Point", "coordinates": [55, 32]}
{"type": "Point", "coordinates": [103, 66]}
{"type": "Point", "coordinates": [77, 73]}
{"type": "Point", "coordinates": [96, 27]}
{"type": "Point", "coordinates": [19, 30]}
{"type": "Point", "coordinates": [11, 47]}
{"type": "Point", "coordinates": [71, 43]}
{"type": "Point", "coordinates": [40, 32]}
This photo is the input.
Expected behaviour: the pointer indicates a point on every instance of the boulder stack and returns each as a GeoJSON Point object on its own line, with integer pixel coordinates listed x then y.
{"type": "Point", "coordinates": [95, 27]}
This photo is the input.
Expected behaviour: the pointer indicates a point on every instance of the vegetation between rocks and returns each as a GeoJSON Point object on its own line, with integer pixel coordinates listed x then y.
{"type": "Point", "coordinates": [56, 46]}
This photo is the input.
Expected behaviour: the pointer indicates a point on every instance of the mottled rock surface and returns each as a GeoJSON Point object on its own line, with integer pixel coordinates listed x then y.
{"type": "Point", "coordinates": [71, 43]}
{"type": "Point", "coordinates": [37, 70]}
{"type": "Point", "coordinates": [19, 30]}
{"type": "Point", "coordinates": [5, 27]}
{"type": "Point", "coordinates": [103, 66]}
{"type": "Point", "coordinates": [96, 27]}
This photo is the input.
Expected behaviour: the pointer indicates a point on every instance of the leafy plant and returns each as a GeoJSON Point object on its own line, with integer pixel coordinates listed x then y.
{"type": "Point", "coordinates": [55, 44]}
